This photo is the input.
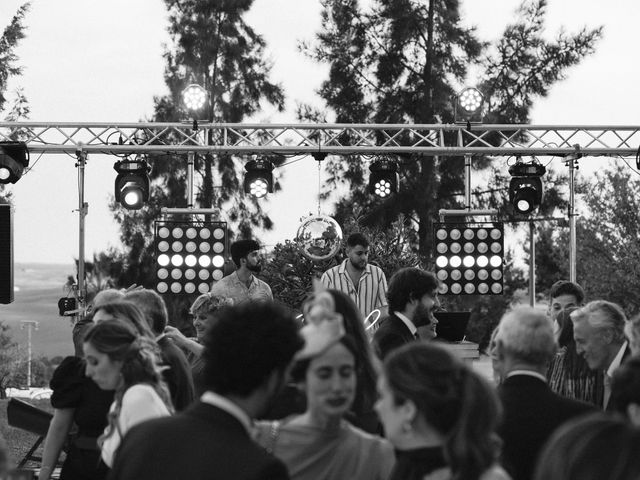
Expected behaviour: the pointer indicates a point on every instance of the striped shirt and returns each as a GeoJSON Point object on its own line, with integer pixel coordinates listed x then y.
{"type": "Point", "coordinates": [371, 292]}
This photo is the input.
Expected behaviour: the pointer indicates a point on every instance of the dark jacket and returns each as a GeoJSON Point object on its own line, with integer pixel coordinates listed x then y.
{"type": "Point", "coordinates": [532, 412]}
{"type": "Point", "coordinates": [391, 334]}
{"type": "Point", "coordinates": [202, 443]}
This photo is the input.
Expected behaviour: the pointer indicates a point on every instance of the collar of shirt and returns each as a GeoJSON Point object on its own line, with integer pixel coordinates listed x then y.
{"type": "Point", "coordinates": [531, 373]}
{"type": "Point", "coordinates": [617, 360]}
{"type": "Point", "coordinates": [228, 406]}
{"type": "Point", "coordinates": [343, 268]}
{"type": "Point", "coordinates": [236, 279]}
{"type": "Point", "coordinates": [407, 322]}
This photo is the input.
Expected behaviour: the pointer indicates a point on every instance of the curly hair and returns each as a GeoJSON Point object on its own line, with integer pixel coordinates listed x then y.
{"type": "Point", "coordinates": [207, 303]}
{"type": "Point", "coordinates": [140, 362]}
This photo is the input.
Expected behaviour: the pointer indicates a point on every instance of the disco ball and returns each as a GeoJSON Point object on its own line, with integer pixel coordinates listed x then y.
{"type": "Point", "coordinates": [319, 237]}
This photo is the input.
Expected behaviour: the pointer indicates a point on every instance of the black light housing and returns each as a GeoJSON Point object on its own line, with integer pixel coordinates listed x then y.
{"type": "Point", "coordinates": [384, 179]}
{"type": "Point", "coordinates": [468, 106]}
{"type": "Point", "coordinates": [132, 183]}
{"type": "Point", "coordinates": [258, 181]}
{"type": "Point", "coordinates": [526, 188]}
{"type": "Point", "coordinates": [14, 158]}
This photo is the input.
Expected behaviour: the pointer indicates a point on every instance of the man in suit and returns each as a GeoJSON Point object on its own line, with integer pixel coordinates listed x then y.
{"type": "Point", "coordinates": [532, 412]}
{"type": "Point", "coordinates": [247, 355]}
{"type": "Point", "coordinates": [598, 330]}
{"type": "Point", "coordinates": [178, 374]}
{"type": "Point", "coordinates": [412, 296]}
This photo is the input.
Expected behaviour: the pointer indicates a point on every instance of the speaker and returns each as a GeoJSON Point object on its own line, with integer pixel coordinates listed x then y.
{"type": "Point", "coordinates": [6, 254]}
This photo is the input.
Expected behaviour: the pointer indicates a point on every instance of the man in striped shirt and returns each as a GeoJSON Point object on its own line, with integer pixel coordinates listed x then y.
{"type": "Point", "coordinates": [364, 283]}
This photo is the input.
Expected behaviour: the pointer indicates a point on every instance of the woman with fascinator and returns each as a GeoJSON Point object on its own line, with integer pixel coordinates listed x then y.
{"type": "Point", "coordinates": [320, 444]}
{"type": "Point", "coordinates": [118, 358]}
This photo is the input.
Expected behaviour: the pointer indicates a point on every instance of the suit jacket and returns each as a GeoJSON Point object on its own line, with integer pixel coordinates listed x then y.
{"type": "Point", "coordinates": [203, 442]}
{"type": "Point", "coordinates": [178, 375]}
{"type": "Point", "coordinates": [625, 355]}
{"type": "Point", "coordinates": [532, 412]}
{"type": "Point", "coordinates": [391, 334]}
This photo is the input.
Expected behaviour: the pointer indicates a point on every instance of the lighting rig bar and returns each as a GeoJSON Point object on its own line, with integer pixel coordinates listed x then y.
{"type": "Point", "coordinates": [442, 140]}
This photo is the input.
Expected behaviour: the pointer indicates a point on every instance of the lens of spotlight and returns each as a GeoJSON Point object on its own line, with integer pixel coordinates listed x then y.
{"type": "Point", "coordinates": [482, 261]}
{"type": "Point", "coordinates": [162, 287]}
{"type": "Point", "coordinates": [443, 289]}
{"type": "Point", "coordinates": [456, 288]}
{"type": "Point", "coordinates": [496, 288]}
{"type": "Point", "coordinates": [455, 261]}
{"type": "Point", "coordinates": [496, 247]}
{"type": "Point", "coordinates": [495, 261]}
{"type": "Point", "coordinates": [191, 233]}
{"type": "Point", "coordinates": [468, 247]}
{"type": "Point", "coordinates": [176, 287]}
{"type": "Point", "coordinates": [203, 288]}
{"type": "Point", "coordinates": [483, 247]}
{"type": "Point", "coordinates": [190, 260]}
{"type": "Point", "coordinates": [217, 275]}
{"type": "Point", "coordinates": [456, 275]}
{"type": "Point", "coordinates": [205, 247]}
{"type": "Point", "coordinates": [203, 275]}
{"type": "Point", "coordinates": [483, 274]}
{"type": "Point", "coordinates": [177, 246]}
{"type": "Point", "coordinates": [205, 233]}
{"type": "Point", "coordinates": [455, 234]}
{"type": "Point", "coordinates": [191, 247]}
{"type": "Point", "coordinates": [483, 288]}
{"type": "Point", "coordinates": [441, 248]}
{"type": "Point", "coordinates": [468, 261]}
{"type": "Point", "coordinates": [190, 274]}
{"type": "Point", "coordinates": [441, 234]}
{"type": "Point", "coordinates": [468, 234]}
{"type": "Point", "coordinates": [455, 247]}
{"type": "Point", "coordinates": [176, 274]}
{"type": "Point", "coordinates": [218, 247]}
{"type": "Point", "coordinates": [258, 187]}
{"type": "Point", "coordinates": [163, 273]}
{"type": "Point", "coordinates": [177, 232]}
{"type": "Point", "coordinates": [469, 275]}
{"type": "Point", "coordinates": [163, 260]}
{"type": "Point", "coordinates": [441, 261]}
{"type": "Point", "coordinates": [442, 275]}
{"type": "Point", "coordinates": [469, 288]}
{"type": "Point", "coordinates": [131, 197]}
{"type": "Point", "coordinates": [177, 260]}
{"type": "Point", "coordinates": [163, 246]}
{"type": "Point", "coordinates": [482, 234]}
{"type": "Point", "coordinates": [496, 234]}
{"type": "Point", "coordinates": [218, 261]}
{"type": "Point", "coordinates": [189, 287]}
{"type": "Point", "coordinates": [163, 232]}
{"type": "Point", "coordinates": [496, 274]}
{"type": "Point", "coordinates": [218, 233]}
{"type": "Point", "coordinates": [204, 261]}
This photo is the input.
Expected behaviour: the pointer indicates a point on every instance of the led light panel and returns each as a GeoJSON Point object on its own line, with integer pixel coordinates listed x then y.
{"type": "Point", "coordinates": [189, 256]}
{"type": "Point", "coordinates": [469, 257]}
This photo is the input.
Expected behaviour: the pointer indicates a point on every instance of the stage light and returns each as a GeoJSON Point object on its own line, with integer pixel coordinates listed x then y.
{"type": "Point", "coordinates": [475, 272]}
{"type": "Point", "coordinates": [132, 183]}
{"type": "Point", "coordinates": [468, 106]}
{"type": "Point", "coordinates": [194, 97]}
{"type": "Point", "coordinates": [525, 187]}
{"type": "Point", "coordinates": [14, 158]}
{"type": "Point", "coordinates": [258, 181]}
{"type": "Point", "coordinates": [383, 179]}
{"type": "Point", "coordinates": [189, 255]}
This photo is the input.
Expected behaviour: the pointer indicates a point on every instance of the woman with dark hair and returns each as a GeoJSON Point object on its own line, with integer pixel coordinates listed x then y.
{"type": "Point", "coordinates": [568, 373]}
{"type": "Point", "coordinates": [319, 443]}
{"type": "Point", "coordinates": [595, 447]}
{"type": "Point", "coordinates": [204, 311]}
{"type": "Point", "coordinates": [118, 358]}
{"type": "Point", "coordinates": [440, 416]}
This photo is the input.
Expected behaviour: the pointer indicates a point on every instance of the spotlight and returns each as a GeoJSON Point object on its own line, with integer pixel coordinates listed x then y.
{"type": "Point", "coordinates": [474, 273]}
{"type": "Point", "coordinates": [525, 188]}
{"type": "Point", "coordinates": [194, 97]}
{"type": "Point", "coordinates": [468, 106]}
{"type": "Point", "coordinates": [14, 158]}
{"type": "Point", "coordinates": [132, 183]}
{"type": "Point", "coordinates": [189, 255]}
{"type": "Point", "coordinates": [384, 179]}
{"type": "Point", "coordinates": [258, 181]}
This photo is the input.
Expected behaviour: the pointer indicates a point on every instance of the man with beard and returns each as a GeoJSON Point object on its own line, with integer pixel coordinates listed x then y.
{"type": "Point", "coordinates": [413, 296]}
{"type": "Point", "coordinates": [243, 285]}
{"type": "Point", "coordinates": [364, 283]}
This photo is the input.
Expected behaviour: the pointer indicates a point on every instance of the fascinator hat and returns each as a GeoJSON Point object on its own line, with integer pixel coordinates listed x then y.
{"type": "Point", "coordinates": [324, 327]}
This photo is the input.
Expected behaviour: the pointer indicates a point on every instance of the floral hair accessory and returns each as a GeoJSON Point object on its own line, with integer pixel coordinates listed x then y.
{"type": "Point", "coordinates": [324, 327]}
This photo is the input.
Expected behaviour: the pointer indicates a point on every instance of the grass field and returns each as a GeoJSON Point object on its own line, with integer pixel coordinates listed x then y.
{"type": "Point", "coordinates": [38, 288]}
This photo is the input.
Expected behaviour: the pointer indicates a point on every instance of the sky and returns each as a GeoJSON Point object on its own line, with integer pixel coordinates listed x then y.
{"type": "Point", "coordinates": [95, 61]}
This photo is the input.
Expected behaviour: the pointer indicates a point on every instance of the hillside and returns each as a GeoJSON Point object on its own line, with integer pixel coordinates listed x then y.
{"type": "Point", "coordinates": [37, 290]}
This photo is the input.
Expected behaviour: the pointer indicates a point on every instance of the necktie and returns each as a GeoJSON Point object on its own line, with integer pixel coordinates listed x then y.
{"type": "Point", "coordinates": [607, 391]}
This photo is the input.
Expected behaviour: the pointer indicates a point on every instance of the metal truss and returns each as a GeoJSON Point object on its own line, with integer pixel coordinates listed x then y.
{"type": "Point", "coordinates": [442, 140]}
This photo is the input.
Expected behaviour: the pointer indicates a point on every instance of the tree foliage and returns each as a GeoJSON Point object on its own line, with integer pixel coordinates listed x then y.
{"type": "Point", "coordinates": [608, 260]}
{"type": "Point", "coordinates": [405, 62]}
{"type": "Point", "coordinates": [19, 107]}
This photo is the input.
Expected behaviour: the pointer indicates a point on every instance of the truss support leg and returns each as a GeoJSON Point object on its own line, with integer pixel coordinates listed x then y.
{"type": "Point", "coordinates": [532, 264]}
{"type": "Point", "coordinates": [82, 211]}
{"type": "Point", "coordinates": [190, 168]}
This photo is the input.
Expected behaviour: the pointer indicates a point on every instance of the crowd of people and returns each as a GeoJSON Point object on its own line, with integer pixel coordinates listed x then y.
{"type": "Point", "coordinates": [260, 394]}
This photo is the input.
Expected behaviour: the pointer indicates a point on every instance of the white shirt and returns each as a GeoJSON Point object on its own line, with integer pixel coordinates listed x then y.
{"type": "Point", "coordinates": [228, 406]}
{"type": "Point", "coordinates": [412, 328]}
{"type": "Point", "coordinates": [139, 403]}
